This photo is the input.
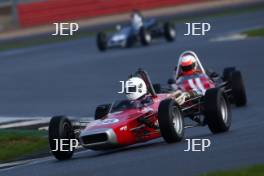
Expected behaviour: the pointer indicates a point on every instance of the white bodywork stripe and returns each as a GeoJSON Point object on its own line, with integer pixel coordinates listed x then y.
{"type": "Point", "coordinates": [193, 86]}
{"type": "Point", "coordinates": [200, 85]}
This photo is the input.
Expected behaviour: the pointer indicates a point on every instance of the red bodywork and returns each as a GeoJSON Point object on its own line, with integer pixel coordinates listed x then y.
{"type": "Point", "coordinates": [127, 126]}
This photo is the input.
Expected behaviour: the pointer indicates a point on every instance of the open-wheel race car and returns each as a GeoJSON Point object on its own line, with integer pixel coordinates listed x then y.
{"type": "Point", "coordinates": [126, 36]}
{"type": "Point", "coordinates": [157, 113]}
{"type": "Point", "coordinates": [230, 82]}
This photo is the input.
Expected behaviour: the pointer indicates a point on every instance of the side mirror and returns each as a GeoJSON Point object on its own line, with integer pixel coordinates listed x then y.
{"type": "Point", "coordinates": [118, 27]}
{"type": "Point", "coordinates": [171, 81]}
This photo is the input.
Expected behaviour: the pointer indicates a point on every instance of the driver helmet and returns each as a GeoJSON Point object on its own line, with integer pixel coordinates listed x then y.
{"type": "Point", "coordinates": [135, 88]}
{"type": "Point", "coordinates": [136, 20]}
{"type": "Point", "coordinates": [188, 64]}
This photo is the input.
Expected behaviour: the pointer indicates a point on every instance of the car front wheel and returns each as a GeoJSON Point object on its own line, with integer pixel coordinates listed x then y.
{"type": "Point", "coordinates": [145, 36]}
{"type": "Point", "coordinates": [217, 111]}
{"type": "Point", "coordinates": [169, 32]}
{"type": "Point", "coordinates": [170, 121]}
{"type": "Point", "coordinates": [60, 128]}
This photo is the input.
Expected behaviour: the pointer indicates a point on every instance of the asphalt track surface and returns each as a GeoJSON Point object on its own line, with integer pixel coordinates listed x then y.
{"type": "Point", "coordinates": [73, 77]}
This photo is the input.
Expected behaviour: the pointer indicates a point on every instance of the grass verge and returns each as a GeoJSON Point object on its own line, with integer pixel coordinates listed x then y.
{"type": "Point", "coordinates": [16, 144]}
{"type": "Point", "coordinates": [259, 32]}
{"type": "Point", "coordinates": [257, 170]}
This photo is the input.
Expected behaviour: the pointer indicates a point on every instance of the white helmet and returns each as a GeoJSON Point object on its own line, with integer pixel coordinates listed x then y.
{"type": "Point", "coordinates": [135, 88]}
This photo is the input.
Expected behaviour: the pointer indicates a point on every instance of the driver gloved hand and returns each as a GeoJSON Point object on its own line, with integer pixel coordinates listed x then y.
{"type": "Point", "coordinates": [180, 96]}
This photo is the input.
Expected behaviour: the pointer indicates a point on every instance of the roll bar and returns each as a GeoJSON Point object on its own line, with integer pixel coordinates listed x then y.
{"type": "Point", "coordinates": [197, 60]}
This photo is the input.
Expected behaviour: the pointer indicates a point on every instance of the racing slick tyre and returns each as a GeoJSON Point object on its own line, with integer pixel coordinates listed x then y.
{"type": "Point", "coordinates": [170, 121]}
{"type": "Point", "coordinates": [238, 89]}
{"type": "Point", "coordinates": [227, 73]}
{"type": "Point", "coordinates": [169, 32]}
{"type": "Point", "coordinates": [145, 37]}
{"type": "Point", "coordinates": [217, 111]}
{"type": "Point", "coordinates": [61, 128]}
{"type": "Point", "coordinates": [101, 41]}
{"type": "Point", "coordinates": [101, 111]}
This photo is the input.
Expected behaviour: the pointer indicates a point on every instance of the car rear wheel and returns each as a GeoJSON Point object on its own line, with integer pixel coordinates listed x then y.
{"type": "Point", "coordinates": [227, 73]}
{"type": "Point", "coordinates": [169, 32]}
{"type": "Point", "coordinates": [101, 111]}
{"type": "Point", "coordinates": [170, 121]}
{"type": "Point", "coordinates": [101, 41]}
{"type": "Point", "coordinates": [217, 111]}
{"type": "Point", "coordinates": [60, 128]}
{"type": "Point", "coordinates": [145, 36]}
{"type": "Point", "coordinates": [238, 89]}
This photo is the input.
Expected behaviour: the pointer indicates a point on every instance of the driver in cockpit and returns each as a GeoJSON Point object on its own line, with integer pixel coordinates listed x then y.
{"type": "Point", "coordinates": [190, 78]}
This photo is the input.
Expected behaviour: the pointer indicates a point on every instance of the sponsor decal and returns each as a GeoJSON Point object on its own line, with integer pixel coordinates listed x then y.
{"type": "Point", "coordinates": [123, 128]}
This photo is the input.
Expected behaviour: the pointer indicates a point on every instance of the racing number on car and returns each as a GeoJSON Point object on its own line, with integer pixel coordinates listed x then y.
{"type": "Point", "coordinates": [109, 121]}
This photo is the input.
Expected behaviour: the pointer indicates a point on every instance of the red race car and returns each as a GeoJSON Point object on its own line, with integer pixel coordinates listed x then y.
{"type": "Point", "coordinates": [140, 119]}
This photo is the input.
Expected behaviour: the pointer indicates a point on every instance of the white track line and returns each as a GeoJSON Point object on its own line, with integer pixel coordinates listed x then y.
{"type": "Point", "coordinates": [25, 123]}
{"type": "Point", "coordinates": [6, 119]}
{"type": "Point", "coordinates": [233, 37]}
